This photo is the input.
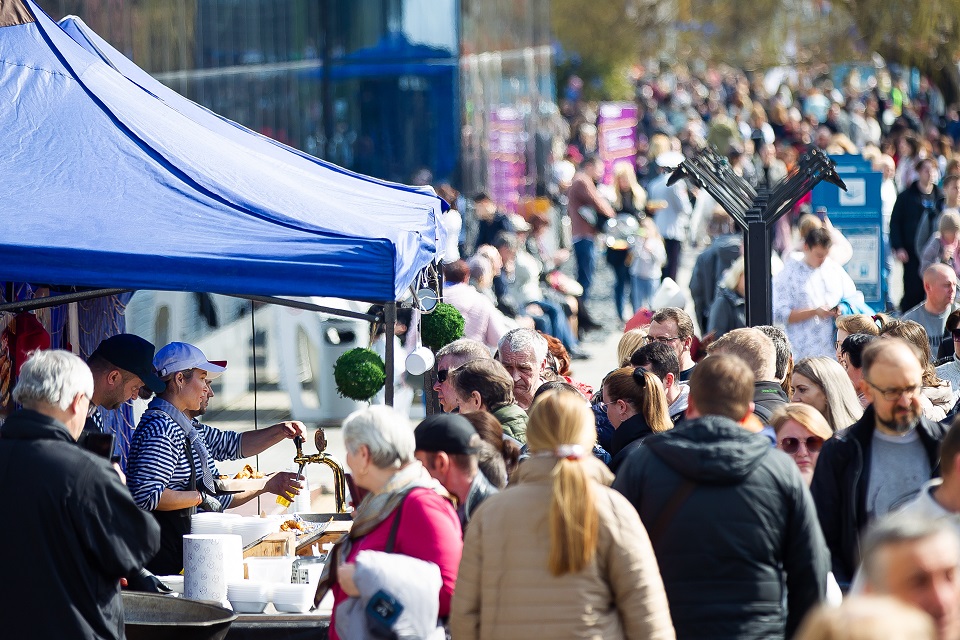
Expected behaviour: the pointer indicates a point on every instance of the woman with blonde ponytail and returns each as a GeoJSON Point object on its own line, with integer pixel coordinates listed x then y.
{"type": "Point", "coordinates": [559, 554]}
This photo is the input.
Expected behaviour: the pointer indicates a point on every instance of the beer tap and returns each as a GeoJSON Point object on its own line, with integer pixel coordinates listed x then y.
{"type": "Point", "coordinates": [322, 457]}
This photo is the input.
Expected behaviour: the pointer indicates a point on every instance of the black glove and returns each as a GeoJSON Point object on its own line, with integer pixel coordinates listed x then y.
{"type": "Point", "coordinates": [143, 580]}
{"type": "Point", "coordinates": [210, 503]}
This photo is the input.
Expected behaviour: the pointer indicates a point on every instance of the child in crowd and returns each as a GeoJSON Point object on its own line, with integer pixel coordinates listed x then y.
{"type": "Point", "coordinates": [648, 256]}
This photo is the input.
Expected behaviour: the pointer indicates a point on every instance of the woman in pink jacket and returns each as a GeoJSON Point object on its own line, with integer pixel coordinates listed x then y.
{"type": "Point", "coordinates": [402, 513]}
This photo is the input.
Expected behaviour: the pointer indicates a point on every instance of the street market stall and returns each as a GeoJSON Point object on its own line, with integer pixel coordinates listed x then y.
{"type": "Point", "coordinates": [108, 187]}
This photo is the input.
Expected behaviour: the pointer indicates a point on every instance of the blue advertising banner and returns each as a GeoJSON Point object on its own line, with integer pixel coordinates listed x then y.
{"type": "Point", "coordinates": [857, 214]}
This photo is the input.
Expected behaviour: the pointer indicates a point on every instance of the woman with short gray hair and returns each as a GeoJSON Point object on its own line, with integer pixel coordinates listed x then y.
{"type": "Point", "coordinates": [401, 511]}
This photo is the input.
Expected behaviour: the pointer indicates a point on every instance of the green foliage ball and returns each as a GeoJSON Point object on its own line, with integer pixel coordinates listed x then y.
{"type": "Point", "coordinates": [359, 373]}
{"type": "Point", "coordinates": [441, 327]}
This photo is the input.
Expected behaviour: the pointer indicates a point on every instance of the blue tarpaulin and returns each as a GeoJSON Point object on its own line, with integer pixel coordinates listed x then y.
{"type": "Point", "coordinates": [105, 183]}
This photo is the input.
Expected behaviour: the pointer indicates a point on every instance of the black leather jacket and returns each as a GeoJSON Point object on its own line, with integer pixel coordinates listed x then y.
{"type": "Point", "coordinates": [480, 490]}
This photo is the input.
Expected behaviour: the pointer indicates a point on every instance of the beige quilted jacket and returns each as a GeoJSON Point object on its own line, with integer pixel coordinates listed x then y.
{"type": "Point", "coordinates": [505, 590]}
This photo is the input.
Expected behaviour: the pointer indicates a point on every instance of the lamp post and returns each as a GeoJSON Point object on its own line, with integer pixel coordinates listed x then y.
{"type": "Point", "coordinates": [756, 212]}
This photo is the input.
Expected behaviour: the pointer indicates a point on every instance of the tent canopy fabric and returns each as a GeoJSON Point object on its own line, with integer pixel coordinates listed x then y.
{"type": "Point", "coordinates": [105, 183]}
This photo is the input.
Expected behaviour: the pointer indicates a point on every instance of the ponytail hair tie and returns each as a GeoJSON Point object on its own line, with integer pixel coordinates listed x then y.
{"type": "Point", "coordinates": [569, 451]}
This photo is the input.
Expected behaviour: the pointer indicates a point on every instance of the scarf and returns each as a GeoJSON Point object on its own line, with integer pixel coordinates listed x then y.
{"type": "Point", "coordinates": [190, 430]}
{"type": "Point", "coordinates": [373, 510]}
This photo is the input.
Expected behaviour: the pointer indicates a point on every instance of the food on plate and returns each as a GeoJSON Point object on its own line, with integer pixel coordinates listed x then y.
{"type": "Point", "coordinates": [292, 525]}
{"type": "Point", "coordinates": [247, 473]}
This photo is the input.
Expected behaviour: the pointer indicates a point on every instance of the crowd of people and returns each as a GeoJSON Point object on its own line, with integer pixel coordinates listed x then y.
{"type": "Point", "coordinates": [720, 481]}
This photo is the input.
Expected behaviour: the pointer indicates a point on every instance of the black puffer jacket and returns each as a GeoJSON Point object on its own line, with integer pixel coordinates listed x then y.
{"type": "Point", "coordinates": [839, 487]}
{"type": "Point", "coordinates": [748, 529]}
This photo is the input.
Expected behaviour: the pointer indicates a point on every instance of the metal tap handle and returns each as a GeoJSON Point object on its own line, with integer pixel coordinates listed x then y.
{"type": "Point", "coordinates": [298, 443]}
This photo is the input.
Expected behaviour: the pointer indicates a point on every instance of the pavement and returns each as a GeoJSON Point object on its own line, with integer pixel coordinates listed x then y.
{"type": "Point", "coordinates": [273, 405]}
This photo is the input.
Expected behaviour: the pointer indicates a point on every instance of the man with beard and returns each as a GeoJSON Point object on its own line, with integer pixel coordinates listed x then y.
{"type": "Point", "coordinates": [122, 365]}
{"type": "Point", "coordinates": [882, 460]}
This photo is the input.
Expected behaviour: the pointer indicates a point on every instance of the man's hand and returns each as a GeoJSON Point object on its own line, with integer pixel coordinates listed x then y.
{"type": "Point", "coordinates": [284, 484]}
{"type": "Point", "coordinates": [290, 429]}
{"type": "Point", "coordinates": [901, 255]}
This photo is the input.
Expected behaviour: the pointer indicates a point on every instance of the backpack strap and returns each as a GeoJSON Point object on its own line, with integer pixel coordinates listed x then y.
{"type": "Point", "coordinates": [392, 538]}
{"type": "Point", "coordinates": [669, 511]}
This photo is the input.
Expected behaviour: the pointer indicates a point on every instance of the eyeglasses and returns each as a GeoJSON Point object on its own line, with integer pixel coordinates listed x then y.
{"type": "Point", "coordinates": [442, 375]}
{"type": "Point", "coordinates": [663, 338]}
{"type": "Point", "coordinates": [896, 394]}
{"type": "Point", "coordinates": [813, 444]}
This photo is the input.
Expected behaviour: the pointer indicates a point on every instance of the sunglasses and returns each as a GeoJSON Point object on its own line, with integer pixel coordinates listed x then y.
{"type": "Point", "coordinates": [442, 375]}
{"type": "Point", "coordinates": [792, 445]}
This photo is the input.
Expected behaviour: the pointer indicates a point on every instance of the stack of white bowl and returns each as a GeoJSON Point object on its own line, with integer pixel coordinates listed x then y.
{"type": "Point", "coordinates": [251, 529]}
{"type": "Point", "coordinates": [293, 598]}
{"type": "Point", "coordinates": [248, 596]}
{"type": "Point", "coordinates": [207, 522]}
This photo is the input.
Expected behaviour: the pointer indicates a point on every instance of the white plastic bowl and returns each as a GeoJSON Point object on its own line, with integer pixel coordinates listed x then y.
{"type": "Point", "coordinates": [240, 606]}
{"type": "Point", "coordinates": [293, 598]}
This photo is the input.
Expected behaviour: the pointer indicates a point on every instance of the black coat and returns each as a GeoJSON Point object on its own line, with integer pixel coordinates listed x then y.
{"type": "Point", "coordinates": [728, 312]}
{"type": "Point", "coordinates": [839, 487]}
{"type": "Point", "coordinates": [627, 437]}
{"type": "Point", "coordinates": [73, 531]}
{"type": "Point", "coordinates": [747, 530]}
{"type": "Point", "coordinates": [768, 396]}
{"type": "Point", "coordinates": [707, 270]}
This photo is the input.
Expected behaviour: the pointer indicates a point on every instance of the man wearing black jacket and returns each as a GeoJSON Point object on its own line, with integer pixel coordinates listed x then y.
{"type": "Point", "coordinates": [730, 519]}
{"type": "Point", "coordinates": [758, 351]}
{"type": "Point", "coordinates": [77, 530]}
{"type": "Point", "coordinates": [881, 461]}
{"type": "Point", "coordinates": [921, 202]}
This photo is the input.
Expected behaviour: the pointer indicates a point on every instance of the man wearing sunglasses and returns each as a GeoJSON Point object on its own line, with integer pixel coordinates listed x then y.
{"type": "Point", "coordinates": [456, 354]}
{"type": "Point", "coordinates": [882, 460]}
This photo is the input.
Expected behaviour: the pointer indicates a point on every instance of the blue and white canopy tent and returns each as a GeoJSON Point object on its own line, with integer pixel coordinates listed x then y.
{"type": "Point", "coordinates": [110, 180]}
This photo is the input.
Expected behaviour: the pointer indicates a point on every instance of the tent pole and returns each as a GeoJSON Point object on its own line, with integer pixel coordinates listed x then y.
{"type": "Point", "coordinates": [299, 304]}
{"type": "Point", "coordinates": [390, 318]}
{"type": "Point", "coordinates": [52, 301]}
{"type": "Point", "coordinates": [73, 327]}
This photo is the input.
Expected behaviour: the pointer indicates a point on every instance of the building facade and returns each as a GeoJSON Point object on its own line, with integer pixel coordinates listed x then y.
{"type": "Point", "coordinates": [406, 90]}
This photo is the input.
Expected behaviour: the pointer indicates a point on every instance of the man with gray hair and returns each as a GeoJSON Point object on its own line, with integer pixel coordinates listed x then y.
{"type": "Point", "coordinates": [758, 351]}
{"type": "Point", "coordinates": [917, 561]}
{"type": "Point", "coordinates": [456, 354]}
{"type": "Point", "coordinates": [523, 352]}
{"type": "Point", "coordinates": [78, 529]}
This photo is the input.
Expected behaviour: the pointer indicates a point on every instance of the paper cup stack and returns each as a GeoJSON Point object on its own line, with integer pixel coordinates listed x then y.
{"type": "Point", "coordinates": [210, 561]}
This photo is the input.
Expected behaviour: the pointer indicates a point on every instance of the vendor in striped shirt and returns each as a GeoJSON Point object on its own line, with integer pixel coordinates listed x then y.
{"type": "Point", "coordinates": [171, 470]}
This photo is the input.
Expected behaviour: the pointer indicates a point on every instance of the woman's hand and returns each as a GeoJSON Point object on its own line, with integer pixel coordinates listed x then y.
{"type": "Point", "coordinates": [345, 578]}
{"type": "Point", "coordinates": [284, 484]}
{"type": "Point", "coordinates": [901, 255]}
{"type": "Point", "coordinates": [824, 312]}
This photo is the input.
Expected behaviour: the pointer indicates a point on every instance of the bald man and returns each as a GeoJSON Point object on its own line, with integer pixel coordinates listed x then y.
{"type": "Point", "coordinates": [940, 287]}
{"type": "Point", "coordinates": [882, 460]}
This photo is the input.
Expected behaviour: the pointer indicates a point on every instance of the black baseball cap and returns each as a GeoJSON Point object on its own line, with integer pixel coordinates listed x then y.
{"type": "Point", "coordinates": [134, 354]}
{"type": "Point", "coordinates": [447, 432]}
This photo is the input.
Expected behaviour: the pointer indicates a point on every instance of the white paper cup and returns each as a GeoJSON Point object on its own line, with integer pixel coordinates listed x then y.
{"type": "Point", "coordinates": [209, 562]}
{"type": "Point", "coordinates": [419, 361]}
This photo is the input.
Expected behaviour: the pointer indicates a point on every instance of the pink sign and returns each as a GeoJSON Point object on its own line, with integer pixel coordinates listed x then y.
{"type": "Point", "coordinates": [616, 134]}
{"type": "Point", "coordinates": [506, 158]}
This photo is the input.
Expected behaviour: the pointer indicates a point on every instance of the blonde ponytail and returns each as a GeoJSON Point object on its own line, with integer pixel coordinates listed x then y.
{"type": "Point", "coordinates": [559, 419]}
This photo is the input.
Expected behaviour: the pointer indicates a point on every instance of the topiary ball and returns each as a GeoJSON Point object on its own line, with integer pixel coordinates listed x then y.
{"type": "Point", "coordinates": [441, 327]}
{"type": "Point", "coordinates": [359, 373]}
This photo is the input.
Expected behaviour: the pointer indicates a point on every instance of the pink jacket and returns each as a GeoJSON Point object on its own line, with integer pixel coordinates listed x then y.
{"type": "Point", "coordinates": [429, 530]}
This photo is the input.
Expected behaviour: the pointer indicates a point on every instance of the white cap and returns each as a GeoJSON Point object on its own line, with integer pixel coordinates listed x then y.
{"type": "Point", "coordinates": [670, 159]}
{"type": "Point", "coordinates": [180, 356]}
